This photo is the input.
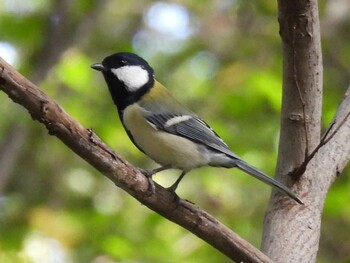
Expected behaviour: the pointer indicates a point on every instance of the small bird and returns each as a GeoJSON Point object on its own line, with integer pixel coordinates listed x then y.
{"type": "Point", "coordinates": [162, 128]}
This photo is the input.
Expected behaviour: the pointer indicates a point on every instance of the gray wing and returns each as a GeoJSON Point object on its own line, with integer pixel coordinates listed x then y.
{"type": "Point", "coordinates": [171, 116]}
{"type": "Point", "coordinates": [190, 127]}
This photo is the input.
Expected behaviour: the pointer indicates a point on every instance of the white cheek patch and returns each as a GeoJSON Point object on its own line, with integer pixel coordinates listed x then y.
{"type": "Point", "coordinates": [177, 120]}
{"type": "Point", "coordinates": [134, 77]}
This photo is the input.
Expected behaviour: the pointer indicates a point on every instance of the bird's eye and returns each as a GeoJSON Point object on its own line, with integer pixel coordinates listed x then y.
{"type": "Point", "coordinates": [124, 62]}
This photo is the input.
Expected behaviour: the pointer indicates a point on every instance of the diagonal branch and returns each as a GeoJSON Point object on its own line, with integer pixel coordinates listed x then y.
{"type": "Point", "coordinates": [88, 146]}
{"type": "Point", "coordinates": [332, 130]}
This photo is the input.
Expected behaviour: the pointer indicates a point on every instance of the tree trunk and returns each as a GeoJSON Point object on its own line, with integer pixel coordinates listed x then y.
{"type": "Point", "coordinates": [305, 163]}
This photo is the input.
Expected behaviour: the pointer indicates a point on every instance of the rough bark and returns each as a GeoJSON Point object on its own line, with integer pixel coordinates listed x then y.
{"type": "Point", "coordinates": [88, 146]}
{"type": "Point", "coordinates": [305, 162]}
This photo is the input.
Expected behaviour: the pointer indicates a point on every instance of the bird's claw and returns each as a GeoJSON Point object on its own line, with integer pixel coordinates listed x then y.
{"type": "Point", "coordinates": [151, 185]}
{"type": "Point", "coordinates": [172, 188]}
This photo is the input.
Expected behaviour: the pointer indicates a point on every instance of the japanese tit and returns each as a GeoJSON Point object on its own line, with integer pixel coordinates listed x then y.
{"type": "Point", "coordinates": [164, 129]}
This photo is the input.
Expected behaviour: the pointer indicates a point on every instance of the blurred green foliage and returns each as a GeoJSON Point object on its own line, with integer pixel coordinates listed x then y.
{"type": "Point", "coordinates": [221, 58]}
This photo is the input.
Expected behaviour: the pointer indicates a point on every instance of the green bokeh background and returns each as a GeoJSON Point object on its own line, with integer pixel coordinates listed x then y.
{"type": "Point", "coordinates": [220, 58]}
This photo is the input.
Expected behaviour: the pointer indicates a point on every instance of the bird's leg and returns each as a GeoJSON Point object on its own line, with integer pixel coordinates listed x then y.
{"type": "Point", "coordinates": [149, 175]}
{"type": "Point", "coordinates": [154, 171]}
{"type": "Point", "coordinates": [174, 185]}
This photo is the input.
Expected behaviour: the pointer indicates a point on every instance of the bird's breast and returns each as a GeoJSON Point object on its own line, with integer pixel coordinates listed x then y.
{"type": "Point", "coordinates": [161, 146]}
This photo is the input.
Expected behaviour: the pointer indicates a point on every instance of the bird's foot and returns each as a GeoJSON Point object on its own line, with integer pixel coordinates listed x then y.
{"type": "Point", "coordinates": [149, 175]}
{"type": "Point", "coordinates": [173, 187]}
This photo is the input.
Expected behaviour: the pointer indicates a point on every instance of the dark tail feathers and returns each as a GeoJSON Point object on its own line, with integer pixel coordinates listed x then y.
{"type": "Point", "coordinates": [265, 178]}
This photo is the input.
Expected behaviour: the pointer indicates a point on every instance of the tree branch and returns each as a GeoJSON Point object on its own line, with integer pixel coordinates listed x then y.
{"type": "Point", "coordinates": [88, 146]}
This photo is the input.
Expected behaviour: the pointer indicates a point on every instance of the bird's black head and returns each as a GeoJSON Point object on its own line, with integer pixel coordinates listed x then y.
{"type": "Point", "coordinates": [128, 77]}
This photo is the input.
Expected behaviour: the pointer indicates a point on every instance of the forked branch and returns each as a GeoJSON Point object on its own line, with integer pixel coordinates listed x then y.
{"type": "Point", "coordinates": [332, 130]}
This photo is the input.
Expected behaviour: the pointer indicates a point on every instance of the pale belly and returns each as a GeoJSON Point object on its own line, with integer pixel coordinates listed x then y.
{"type": "Point", "coordinates": [162, 147]}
